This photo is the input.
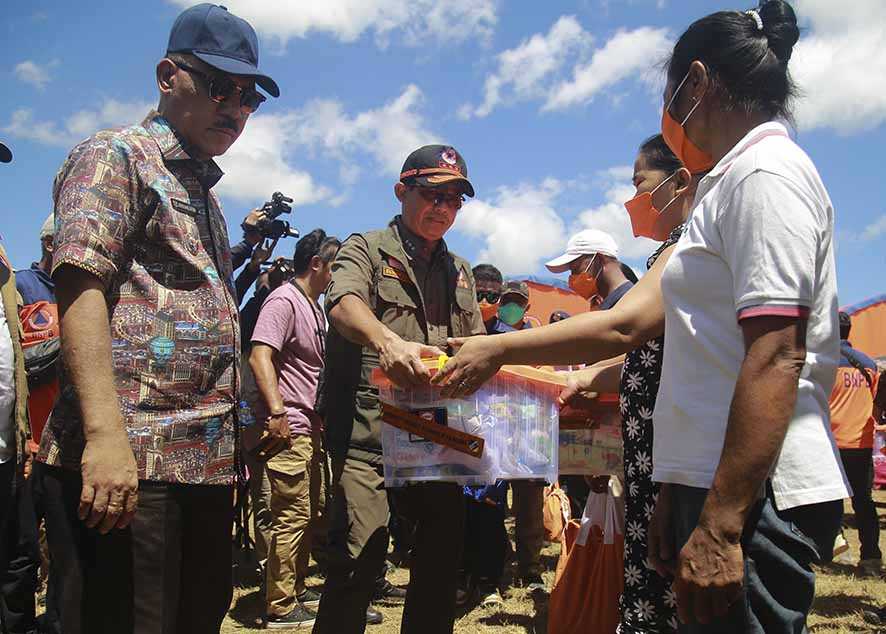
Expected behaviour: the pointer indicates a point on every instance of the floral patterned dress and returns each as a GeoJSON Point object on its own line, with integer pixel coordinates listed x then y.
{"type": "Point", "coordinates": [648, 603]}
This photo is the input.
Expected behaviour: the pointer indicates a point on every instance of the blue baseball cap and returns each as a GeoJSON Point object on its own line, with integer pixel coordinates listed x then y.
{"type": "Point", "coordinates": [212, 34]}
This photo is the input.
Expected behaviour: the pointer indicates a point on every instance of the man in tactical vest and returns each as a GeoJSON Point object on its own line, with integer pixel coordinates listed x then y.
{"type": "Point", "coordinates": [396, 295]}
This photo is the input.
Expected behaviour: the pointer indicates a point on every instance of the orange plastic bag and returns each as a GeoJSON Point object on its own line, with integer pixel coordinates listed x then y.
{"type": "Point", "coordinates": [589, 579]}
{"type": "Point", "coordinates": [556, 512]}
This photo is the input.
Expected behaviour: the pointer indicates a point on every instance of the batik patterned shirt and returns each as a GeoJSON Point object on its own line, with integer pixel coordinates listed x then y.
{"type": "Point", "coordinates": [133, 208]}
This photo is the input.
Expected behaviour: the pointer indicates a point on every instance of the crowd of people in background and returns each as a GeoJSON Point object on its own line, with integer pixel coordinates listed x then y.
{"type": "Point", "coordinates": [139, 386]}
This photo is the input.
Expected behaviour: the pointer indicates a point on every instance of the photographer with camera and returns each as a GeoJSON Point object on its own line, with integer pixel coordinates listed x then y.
{"type": "Point", "coordinates": [261, 231]}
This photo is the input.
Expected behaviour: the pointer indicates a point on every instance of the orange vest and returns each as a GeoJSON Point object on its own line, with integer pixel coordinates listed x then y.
{"type": "Point", "coordinates": [852, 402]}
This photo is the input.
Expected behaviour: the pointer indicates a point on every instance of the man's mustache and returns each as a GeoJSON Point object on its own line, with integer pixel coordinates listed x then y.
{"type": "Point", "coordinates": [227, 123]}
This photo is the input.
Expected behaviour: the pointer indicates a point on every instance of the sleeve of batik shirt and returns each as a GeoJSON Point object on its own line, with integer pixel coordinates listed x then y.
{"type": "Point", "coordinates": [94, 212]}
{"type": "Point", "coordinates": [771, 235]}
{"type": "Point", "coordinates": [351, 273]}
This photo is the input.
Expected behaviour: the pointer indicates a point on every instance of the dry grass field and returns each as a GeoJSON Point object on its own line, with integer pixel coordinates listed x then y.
{"type": "Point", "coordinates": [841, 597]}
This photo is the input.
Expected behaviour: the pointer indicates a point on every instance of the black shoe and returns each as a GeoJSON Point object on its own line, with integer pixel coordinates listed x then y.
{"type": "Point", "coordinates": [389, 593]}
{"type": "Point", "coordinates": [373, 616]}
{"type": "Point", "coordinates": [299, 618]}
{"type": "Point", "coordinates": [309, 599]}
{"type": "Point", "coordinates": [534, 583]}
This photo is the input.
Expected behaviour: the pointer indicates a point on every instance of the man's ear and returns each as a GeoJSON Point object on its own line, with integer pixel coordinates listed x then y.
{"type": "Point", "coordinates": [400, 191]}
{"type": "Point", "coordinates": [166, 75]}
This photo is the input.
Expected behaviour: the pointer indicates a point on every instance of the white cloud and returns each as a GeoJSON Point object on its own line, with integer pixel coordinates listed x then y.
{"type": "Point", "coordinates": [78, 126]}
{"type": "Point", "coordinates": [519, 226]}
{"type": "Point", "coordinates": [840, 65]}
{"type": "Point", "coordinates": [628, 54]}
{"type": "Point", "coordinates": [611, 217]}
{"type": "Point", "coordinates": [555, 68]}
{"type": "Point", "coordinates": [523, 71]}
{"type": "Point", "coordinates": [386, 134]}
{"type": "Point", "coordinates": [259, 163]}
{"type": "Point", "coordinates": [32, 73]}
{"type": "Point", "coordinates": [417, 20]}
{"type": "Point", "coordinates": [875, 229]}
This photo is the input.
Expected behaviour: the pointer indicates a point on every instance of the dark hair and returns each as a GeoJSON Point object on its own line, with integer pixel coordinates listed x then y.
{"type": "Point", "coordinates": [658, 155]}
{"type": "Point", "coordinates": [629, 273]}
{"type": "Point", "coordinates": [845, 325]}
{"type": "Point", "coordinates": [314, 243]}
{"type": "Point", "coordinates": [748, 66]}
{"type": "Point", "coordinates": [487, 273]}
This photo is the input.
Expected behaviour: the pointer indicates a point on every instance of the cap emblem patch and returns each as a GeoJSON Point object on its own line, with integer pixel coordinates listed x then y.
{"type": "Point", "coordinates": [449, 157]}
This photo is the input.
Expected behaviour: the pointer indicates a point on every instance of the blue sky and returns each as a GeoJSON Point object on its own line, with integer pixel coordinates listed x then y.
{"type": "Point", "coordinates": [546, 101]}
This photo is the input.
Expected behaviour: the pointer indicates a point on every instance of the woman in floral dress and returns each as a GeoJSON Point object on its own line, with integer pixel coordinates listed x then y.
{"type": "Point", "coordinates": [648, 604]}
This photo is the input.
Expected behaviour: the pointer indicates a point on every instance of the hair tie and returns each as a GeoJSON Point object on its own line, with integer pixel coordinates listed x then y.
{"type": "Point", "coordinates": [756, 16]}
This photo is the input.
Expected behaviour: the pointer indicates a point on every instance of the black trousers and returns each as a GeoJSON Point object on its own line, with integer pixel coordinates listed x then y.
{"type": "Point", "coordinates": [859, 467]}
{"type": "Point", "coordinates": [168, 573]}
{"type": "Point", "coordinates": [486, 542]}
{"type": "Point", "coordinates": [18, 578]}
{"type": "Point", "coordinates": [7, 482]}
{"type": "Point", "coordinates": [358, 542]}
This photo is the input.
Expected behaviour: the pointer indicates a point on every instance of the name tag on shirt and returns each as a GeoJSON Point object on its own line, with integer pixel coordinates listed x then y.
{"type": "Point", "coordinates": [183, 207]}
{"type": "Point", "coordinates": [389, 271]}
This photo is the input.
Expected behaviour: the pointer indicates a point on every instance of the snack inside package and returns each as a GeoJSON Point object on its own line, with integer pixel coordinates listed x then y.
{"type": "Point", "coordinates": [516, 415]}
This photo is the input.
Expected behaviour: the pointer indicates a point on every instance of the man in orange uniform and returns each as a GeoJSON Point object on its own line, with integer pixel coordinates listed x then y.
{"type": "Point", "coordinates": [852, 421]}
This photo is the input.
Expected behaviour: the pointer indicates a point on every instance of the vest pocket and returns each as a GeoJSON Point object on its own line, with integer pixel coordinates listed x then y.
{"type": "Point", "coordinates": [398, 310]}
{"type": "Point", "coordinates": [462, 318]}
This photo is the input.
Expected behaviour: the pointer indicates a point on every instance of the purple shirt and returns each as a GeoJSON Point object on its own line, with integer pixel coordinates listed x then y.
{"type": "Point", "coordinates": [293, 325]}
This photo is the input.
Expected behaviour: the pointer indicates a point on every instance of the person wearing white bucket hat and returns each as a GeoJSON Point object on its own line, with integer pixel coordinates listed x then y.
{"type": "Point", "coordinates": [595, 273]}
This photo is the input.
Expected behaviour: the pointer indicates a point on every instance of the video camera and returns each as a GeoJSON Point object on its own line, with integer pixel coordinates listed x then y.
{"type": "Point", "coordinates": [279, 271]}
{"type": "Point", "coordinates": [270, 226]}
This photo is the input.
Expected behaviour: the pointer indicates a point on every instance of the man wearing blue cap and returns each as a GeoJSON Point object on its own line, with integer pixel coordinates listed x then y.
{"type": "Point", "coordinates": [136, 464]}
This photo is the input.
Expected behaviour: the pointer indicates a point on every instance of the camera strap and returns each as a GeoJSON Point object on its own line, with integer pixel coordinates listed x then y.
{"type": "Point", "coordinates": [315, 308]}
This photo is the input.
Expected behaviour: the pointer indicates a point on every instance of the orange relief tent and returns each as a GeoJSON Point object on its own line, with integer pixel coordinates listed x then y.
{"type": "Point", "coordinates": [869, 326]}
{"type": "Point", "coordinates": [549, 295]}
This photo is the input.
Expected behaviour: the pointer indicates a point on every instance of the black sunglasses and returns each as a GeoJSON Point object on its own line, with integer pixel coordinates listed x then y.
{"type": "Point", "coordinates": [491, 297]}
{"type": "Point", "coordinates": [221, 88]}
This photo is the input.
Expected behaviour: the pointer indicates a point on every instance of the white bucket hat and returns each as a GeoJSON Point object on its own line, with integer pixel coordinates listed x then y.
{"type": "Point", "coordinates": [585, 242]}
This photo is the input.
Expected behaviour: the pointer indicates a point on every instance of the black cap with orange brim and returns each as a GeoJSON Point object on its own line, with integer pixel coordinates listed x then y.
{"type": "Point", "coordinates": [5, 154]}
{"type": "Point", "coordinates": [435, 165]}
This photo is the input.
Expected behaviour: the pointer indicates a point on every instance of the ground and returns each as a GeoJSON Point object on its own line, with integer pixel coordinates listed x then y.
{"type": "Point", "coordinates": [841, 596]}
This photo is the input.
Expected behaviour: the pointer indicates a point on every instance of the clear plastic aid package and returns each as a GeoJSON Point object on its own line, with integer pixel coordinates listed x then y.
{"type": "Point", "coordinates": [516, 413]}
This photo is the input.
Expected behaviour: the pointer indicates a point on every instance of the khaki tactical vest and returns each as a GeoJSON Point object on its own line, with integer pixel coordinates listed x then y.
{"type": "Point", "coordinates": [350, 401]}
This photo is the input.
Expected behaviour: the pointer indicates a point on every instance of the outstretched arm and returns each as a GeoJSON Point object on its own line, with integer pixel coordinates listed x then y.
{"type": "Point", "coordinates": [585, 338]}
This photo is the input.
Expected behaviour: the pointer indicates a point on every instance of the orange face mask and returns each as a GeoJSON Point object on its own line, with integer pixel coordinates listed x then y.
{"type": "Point", "coordinates": [695, 159]}
{"type": "Point", "coordinates": [584, 283]}
{"type": "Point", "coordinates": [644, 215]}
{"type": "Point", "coordinates": [488, 310]}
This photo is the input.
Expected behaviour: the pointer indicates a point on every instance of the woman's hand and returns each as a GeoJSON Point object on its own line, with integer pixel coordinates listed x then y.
{"type": "Point", "coordinates": [477, 361]}
{"type": "Point", "coordinates": [578, 393]}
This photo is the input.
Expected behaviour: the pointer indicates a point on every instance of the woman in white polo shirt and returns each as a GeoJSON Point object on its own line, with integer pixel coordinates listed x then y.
{"type": "Point", "coordinates": [741, 418]}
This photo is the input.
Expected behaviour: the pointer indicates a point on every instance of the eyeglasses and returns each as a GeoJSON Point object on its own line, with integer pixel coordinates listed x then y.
{"type": "Point", "coordinates": [221, 88]}
{"type": "Point", "coordinates": [439, 198]}
{"type": "Point", "coordinates": [491, 297]}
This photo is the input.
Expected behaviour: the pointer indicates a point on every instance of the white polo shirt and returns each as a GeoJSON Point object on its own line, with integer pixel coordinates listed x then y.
{"type": "Point", "coordinates": [759, 242]}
